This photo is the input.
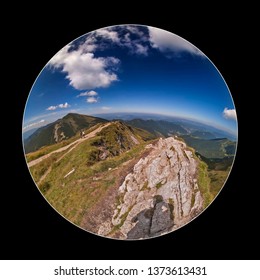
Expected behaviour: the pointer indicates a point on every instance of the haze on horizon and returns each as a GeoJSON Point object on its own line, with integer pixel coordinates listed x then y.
{"type": "Point", "coordinates": [131, 68]}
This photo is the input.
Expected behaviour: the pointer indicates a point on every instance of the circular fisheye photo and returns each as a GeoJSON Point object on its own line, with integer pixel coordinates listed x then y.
{"type": "Point", "coordinates": [129, 132]}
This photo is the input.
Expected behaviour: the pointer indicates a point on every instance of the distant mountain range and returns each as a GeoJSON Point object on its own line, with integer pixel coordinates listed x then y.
{"type": "Point", "coordinates": [158, 127]}
{"type": "Point", "coordinates": [28, 133]}
{"type": "Point", "coordinates": [207, 141]}
{"type": "Point", "coordinates": [211, 148]}
{"type": "Point", "coordinates": [187, 124]}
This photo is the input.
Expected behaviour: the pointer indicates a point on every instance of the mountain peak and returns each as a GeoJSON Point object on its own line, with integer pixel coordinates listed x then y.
{"type": "Point", "coordinates": [71, 115]}
{"type": "Point", "coordinates": [60, 130]}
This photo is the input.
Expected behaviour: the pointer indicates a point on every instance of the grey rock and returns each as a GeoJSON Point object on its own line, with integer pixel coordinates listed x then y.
{"type": "Point", "coordinates": [165, 181]}
{"type": "Point", "coordinates": [152, 222]}
{"type": "Point", "coordinates": [161, 220]}
{"type": "Point", "coordinates": [143, 225]}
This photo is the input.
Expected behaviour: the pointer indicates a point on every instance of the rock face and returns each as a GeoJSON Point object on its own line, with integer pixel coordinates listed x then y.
{"type": "Point", "coordinates": [160, 194]}
{"type": "Point", "coordinates": [152, 222]}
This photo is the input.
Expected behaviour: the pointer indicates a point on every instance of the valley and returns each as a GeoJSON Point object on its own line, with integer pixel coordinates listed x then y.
{"type": "Point", "coordinates": [127, 179]}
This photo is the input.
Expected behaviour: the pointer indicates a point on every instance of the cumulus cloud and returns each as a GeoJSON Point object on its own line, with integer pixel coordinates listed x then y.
{"type": "Point", "coordinates": [88, 93]}
{"type": "Point", "coordinates": [168, 42]}
{"type": "Point", "coordinates": [83, 69]}
{"type": "Point", "coordinates": [33, 124]}
{"type": "Point", "coordinates": [89, 45]}
{"type": "Point", "coordinates": [65, 105]}
{"type": "Point", "coordinates": [86, 71]}
{"type": "Point", "coordinates": [92, 96]}
{"type": "Point", "coordinates": [92, 93]}
{"type": "Point", "coordinates": [92, 99]}
{"type": "Point", "coordinates": [62, 106]}
{"type": "Point", "coordinates": [230, 114]}
{"type": "Point", "coordinates": [51, 108]}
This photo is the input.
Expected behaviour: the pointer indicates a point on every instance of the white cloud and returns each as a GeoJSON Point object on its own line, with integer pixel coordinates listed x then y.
{"type": "Point", "coordinates": [65, 105]}
{"type": "Point", "coordinates": [108, 34]}
{"type": "Point", "coordinates": [51, 108]}
{"type": "Point", "coordinates": [92, 96]}
{"type": "Point", "coordinates": [105, 108]}
{"type": "Point", "coordinates": [83, 94]}
{"type": "Point", "coordinates": [92, 99]}
{"type": "Point", "coordinates": [135, 40]}
{"type": "Point", "coordinates": [92, 93]}
{"type": "Point", "coordinates": [89, 44]}
{"type": "Point", "coordinates": [33, 124]}
{"type": "Point", "coordinates": [88, 93]}
{"type": "Point", "coordinates": [135, 30]}
{"type": "Point", "coordinates": [140, 49]}
{"type": "Point", "coordinates": [126, 38]}
{"type": "Point", "coordinates": [230, 114]}
{"type": "Point", "coordinates": [169, 42]}
{"type": "Point", "coordinates": [62, 106]}
{"type": "Point", "coordinates": [130, 37]}
{"type": "Point", "coordinates": [84, 71]}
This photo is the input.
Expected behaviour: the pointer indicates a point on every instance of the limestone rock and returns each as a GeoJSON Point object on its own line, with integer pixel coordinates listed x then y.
{"type": "Point", "coordinates": [161, 220]}
{"type": "Point", "coordinates": [168, 173]}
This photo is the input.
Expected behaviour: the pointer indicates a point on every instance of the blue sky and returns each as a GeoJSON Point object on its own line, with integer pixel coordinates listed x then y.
{"type": "Point", "coordinates": [130, 68]}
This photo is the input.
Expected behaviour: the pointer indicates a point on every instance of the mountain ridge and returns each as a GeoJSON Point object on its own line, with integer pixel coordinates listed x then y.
{"type": "Point", "coordinates": [206, 143]}
{"type": "Point", "coordinates": [124, 182]}
{"type": "Point", "coordinates": [186, 122]}
{"type": "Point", "coordinates": [59, 130]}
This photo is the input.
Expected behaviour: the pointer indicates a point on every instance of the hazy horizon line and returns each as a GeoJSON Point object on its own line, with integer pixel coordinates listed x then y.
{"type": "Point", "coordinates": [216, 126]}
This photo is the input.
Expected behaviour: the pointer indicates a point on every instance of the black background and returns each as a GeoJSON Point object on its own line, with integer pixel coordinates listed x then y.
{"type": "Point", "coordinates": [31, 229]}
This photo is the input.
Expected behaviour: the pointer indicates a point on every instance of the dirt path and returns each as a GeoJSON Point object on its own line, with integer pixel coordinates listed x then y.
{"type": "Point", "coordinates": [73, 145]}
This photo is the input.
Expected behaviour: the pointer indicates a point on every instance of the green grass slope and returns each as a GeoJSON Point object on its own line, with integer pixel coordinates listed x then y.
{"type": "Point", "coordinates": [59, 130]}
{"type": "Point", "coordinates": [213, 148]}
{"type": "Point", "coordinates": [98, 166]}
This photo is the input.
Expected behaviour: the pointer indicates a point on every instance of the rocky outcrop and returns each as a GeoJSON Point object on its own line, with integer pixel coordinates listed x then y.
{"type": "Point", "coordinates": [57, 134]}
{"type": "Point", "coordinates": [153, 221]}
{"type": "Point", "coordinates": [160, 194]}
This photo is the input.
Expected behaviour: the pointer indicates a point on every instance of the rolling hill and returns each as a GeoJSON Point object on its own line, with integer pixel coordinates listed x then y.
{"type": "Point", "coordinates": [59, 130]}
{"type": "Point", "coordinates": [158, 127]}
{"type": "Point", "coordinates": [204, 142]}
{"type": "Point", "coordinates": [201, 130]}
{"type": "Point", "coordinates": [116, 180]}
{"type": "Point", "coordinates": [120, 173]}
{"type": "Point", "coordinates": [211, 148]}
